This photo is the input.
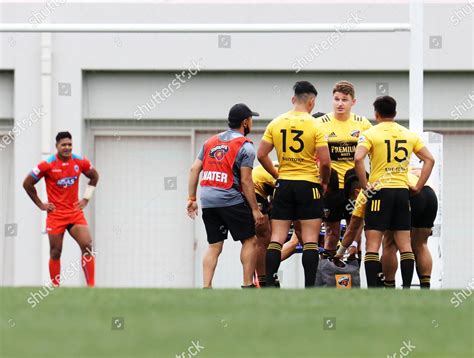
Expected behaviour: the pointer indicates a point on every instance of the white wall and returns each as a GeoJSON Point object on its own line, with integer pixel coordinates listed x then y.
{"type": "Point", "coordinates": [458, 213]}
{"type": "Point", "coordinates": [208, 95]}
{"type": "Point", "coordinates": [142, 237]}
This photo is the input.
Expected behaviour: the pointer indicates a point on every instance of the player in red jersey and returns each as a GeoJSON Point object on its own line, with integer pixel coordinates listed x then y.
{"type": "Point", "coordinates": [61, 172]}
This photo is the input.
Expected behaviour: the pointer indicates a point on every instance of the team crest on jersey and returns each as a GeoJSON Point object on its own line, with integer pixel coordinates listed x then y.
{"type": "Point", "coordinates": [66, 182]}
{"type": "Point", "coordinates": [76, 168]}
{"type": "Point", "coordinates": [219, 151]}
{"type": "Point", "coordinates": [361, 139]}
{"type": "Point", "coordinates": [355, 133]}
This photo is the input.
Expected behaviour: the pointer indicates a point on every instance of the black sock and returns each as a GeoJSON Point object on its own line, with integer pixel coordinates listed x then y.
{"type": "Point", "coordinates": [389, 284]}
{"type": "Point", "coordinates": [372, 268]}
{"type": "Point", "coordinates": [272, 262]}
{"type": "Point", "coordinates": [407, 266]}
{"type": "Point", "coordinates": [425, 281]}
{"type": "Point", "coordinates": [310, 263]}
{"type": "Point", "coordinates": [262, 280]}
{"type": "Point", "coordinates": [359, 257]}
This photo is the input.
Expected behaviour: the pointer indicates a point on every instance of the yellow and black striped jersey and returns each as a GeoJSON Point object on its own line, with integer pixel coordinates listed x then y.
{"type": "Point", "coordinates": [295, 136]}
{"type": "Point", "coordinates": [359, 206]}
{"type": "Point", "coordinates": [361, 201]}
{"type": "Point", "coordinates": [342, 139]}
{"type": "Point", "coordinates": [263, 182]}
{"type": "Point", "coordinates": [390, 147]}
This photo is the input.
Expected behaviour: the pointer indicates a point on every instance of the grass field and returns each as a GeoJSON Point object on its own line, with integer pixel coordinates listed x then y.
{"type": "Point", "coordinates": [234, 323]}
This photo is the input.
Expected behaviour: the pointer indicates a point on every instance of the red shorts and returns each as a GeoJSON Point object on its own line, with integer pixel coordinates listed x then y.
{"type": "Point", "coordinates": [57, 222]}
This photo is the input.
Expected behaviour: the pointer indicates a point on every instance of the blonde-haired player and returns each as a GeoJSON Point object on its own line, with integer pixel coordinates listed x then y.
{"type": "Point", "coordinates": [342, 129]}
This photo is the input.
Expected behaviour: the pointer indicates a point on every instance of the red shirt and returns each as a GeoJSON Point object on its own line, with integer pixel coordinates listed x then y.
{"type": "Point", "coordinates": [218, 161]}
{"type": "Point", "coordinates": [62, 179]}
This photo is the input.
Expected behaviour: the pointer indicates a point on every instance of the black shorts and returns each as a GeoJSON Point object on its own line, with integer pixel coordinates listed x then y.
{"type": "Point", "coordinates": [335, 204]}
{"type": "Point", "coordinates": [388, 209]}
{"type": "Point", "coordinates": [263, 204]}
{"type": "Point", "coordinates": [424, 207]}
{"type": "Point", "coordinates": [237, 219]}
{"type": "Point", "coordinates": [297, 200]}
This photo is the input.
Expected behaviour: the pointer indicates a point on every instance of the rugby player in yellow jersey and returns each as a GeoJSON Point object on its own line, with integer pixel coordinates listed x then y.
{"type": "Point", "coordinates": [389, 146]}
{"type": "Point", "coordinates": [300, 185]}
{"type": "Point", "coordinates": [264, 185]}
{"type": "Point", "coordinates": [424, 208]}
{"type": "Point", "coordinates": [354, 231]}
{"type": "Point", "coordinates": [342, 129]}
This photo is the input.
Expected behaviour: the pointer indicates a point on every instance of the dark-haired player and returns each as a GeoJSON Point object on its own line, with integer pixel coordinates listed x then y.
{"type": "Point", "coordinates": [264, 185]}
{"type": "Point", "coordinates": [389, 146]}
{"type": "Point", "coordinates": [424, 208]}
{"type": "Point", "coordinates": [298, 194]}
{"type": "Point", "coordinates": [65, 211]}
{"type": "Point", "coordinates": [342, 129]}
{"type": "Point", "coordinates": [227, 193]}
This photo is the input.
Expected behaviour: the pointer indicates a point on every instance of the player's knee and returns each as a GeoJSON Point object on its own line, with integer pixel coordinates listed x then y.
{"type": "Point", "coordinates": [55, 253]}
{"type": "Point", "coordinates": [263, 231]}
{"type": "Point", "coordinates": [252, 241]}
{"type": "Point", "coordinates": [419, 245]}
{"type": "Point", "coordinates": [331, 235]}
{"type": "Point", "coordinates": [215, 249]}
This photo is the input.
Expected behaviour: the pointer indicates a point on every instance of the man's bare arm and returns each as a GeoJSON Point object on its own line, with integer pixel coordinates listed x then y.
{"type": "Point", "coordinates": [248, 190]}
{"type": "Point", "coordinates": [191, 205]}
{"type": "Point", "coordinates": [324, 164]}
{"type": "Point", "coordinates": [93, 175]}
{"type": "Point", "coordinates": [263, 152]}
{"type": "Point", "coordinates": [428, 163]}
{"type": "Point", "coordinates": [29, 186]}
{"type": "Point", "coordinates": [359, 157]}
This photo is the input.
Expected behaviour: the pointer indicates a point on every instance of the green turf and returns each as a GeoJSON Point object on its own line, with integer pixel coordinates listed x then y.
{"type": "Point", "coordinates": [234, 323]}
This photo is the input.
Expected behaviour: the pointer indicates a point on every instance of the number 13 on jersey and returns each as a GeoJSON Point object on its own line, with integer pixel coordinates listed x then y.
{"type": "Point", "coordinates": [295, 136]}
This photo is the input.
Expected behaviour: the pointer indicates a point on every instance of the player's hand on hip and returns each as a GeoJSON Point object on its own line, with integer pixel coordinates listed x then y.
{"type": "Point", "coordinates": [48, 207]}
{"type": "Point", "coordinates": [192, 209]}
{"type": "Point", "coordinates": [82, 204]}
{"type": "Point", "coordinates": [257, 217]}
{"type": "Point", "coordinates": [414, 190]}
